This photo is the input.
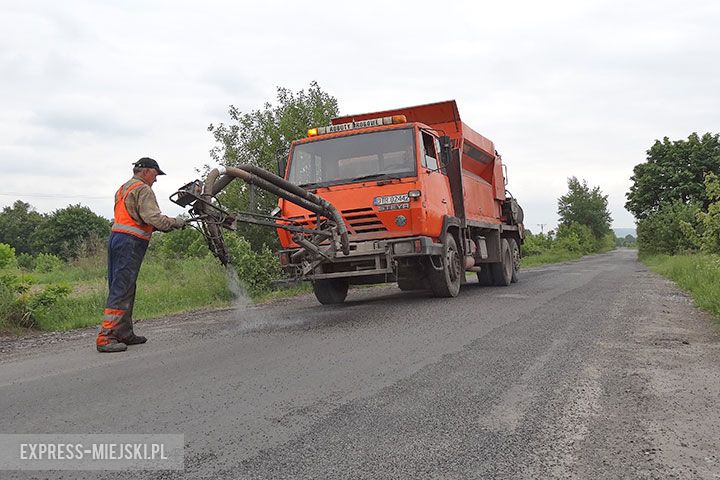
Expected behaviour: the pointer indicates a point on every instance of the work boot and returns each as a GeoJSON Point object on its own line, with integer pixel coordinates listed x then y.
{"type": "Point", "coordinates": [134, 340]}
{"type": "Point", "coordinates": [112, 347]}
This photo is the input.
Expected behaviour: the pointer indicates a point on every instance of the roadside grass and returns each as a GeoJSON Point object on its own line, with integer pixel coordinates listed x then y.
{"type": "Point", "coordinates": [697, 274]}
{"type": "Point", "coordinates": [164, 287]}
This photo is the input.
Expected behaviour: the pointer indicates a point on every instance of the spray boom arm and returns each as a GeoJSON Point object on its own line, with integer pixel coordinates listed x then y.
{"type": "Point", "coordinates": [211, 218]}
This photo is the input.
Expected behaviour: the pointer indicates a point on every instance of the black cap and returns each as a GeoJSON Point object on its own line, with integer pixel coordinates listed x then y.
{"type": "Point", "coordinates": [147, 162]}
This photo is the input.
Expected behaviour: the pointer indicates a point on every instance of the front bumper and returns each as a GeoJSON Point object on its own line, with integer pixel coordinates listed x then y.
{"type": "Point", "coordinates": [366, 259]}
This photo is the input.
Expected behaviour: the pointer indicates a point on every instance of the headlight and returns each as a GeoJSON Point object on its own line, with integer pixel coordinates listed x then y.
{"type": "Point", "coordinates": [402, 248]}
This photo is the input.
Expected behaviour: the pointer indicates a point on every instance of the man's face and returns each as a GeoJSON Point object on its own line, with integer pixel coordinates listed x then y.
{"type": "Point", "coordinates": [149, 175]}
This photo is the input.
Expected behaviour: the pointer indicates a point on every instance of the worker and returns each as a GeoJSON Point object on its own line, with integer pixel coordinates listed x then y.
{"type": "Point", "coordinates": [137, 215]}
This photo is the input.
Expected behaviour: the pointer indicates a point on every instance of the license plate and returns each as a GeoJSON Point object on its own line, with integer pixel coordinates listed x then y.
{"type": "Point", "coordinates": [391, 199]}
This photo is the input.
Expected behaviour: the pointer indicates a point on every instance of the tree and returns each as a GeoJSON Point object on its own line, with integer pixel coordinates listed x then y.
{"type": "Point", "coordinates": [18, 225]}
{"type": "Point", "coordinates": [585, 206]}
{"type": "Point", "coordinates": [67, 230]}
{"type": "Point", "coordinates": [710, 219]}
{"type": "Point", "coordinates": [261, 138]}
{"type": "Point", "coordinates": [674, 171]}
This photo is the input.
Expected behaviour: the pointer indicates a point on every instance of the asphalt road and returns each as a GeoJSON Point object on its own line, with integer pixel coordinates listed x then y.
{"type": "Point", "coordinates": [589, 369]}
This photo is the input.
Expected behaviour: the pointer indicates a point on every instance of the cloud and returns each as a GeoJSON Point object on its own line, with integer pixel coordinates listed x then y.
{"type": "Point", "coordinates": [96, 122]}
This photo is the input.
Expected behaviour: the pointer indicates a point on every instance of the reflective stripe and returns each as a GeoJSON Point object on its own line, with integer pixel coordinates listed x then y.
{"type": "Point", "coordinates": [110, 323]}
{"type": "Point", "coordinates": [112, 318]}
{"type": "Point", "coordinates": [119, 227]}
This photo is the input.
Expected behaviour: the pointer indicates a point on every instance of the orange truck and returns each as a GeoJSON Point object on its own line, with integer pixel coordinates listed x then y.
{"type": "Point", "coordinates": [422, 197]}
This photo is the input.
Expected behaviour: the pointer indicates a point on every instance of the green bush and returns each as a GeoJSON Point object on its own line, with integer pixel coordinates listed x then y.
{"type": "Point", "coordinates": [183, 243]}
{"type": "Point", "coordinates": [575, 238]}
{"type": "Point", "coordinates": [21, 306]}
{"type": "Point", "coordinates": [39, 304]}
{"type": "Point", "coordinates": [12, 313]}
{"type": "Point", "coordinates": [669, 230]}
{"type": "Point", "coordinates": [14, 282]}
{"type": "Point", "coordinates": [606, 243]}
{"type": "Point", "coordinates": [256, 271]}
{"type": "Point", "coordinates": [535, 244]}
{"type": "Point", "coordinates": [710, 238]}
{"type": "Point", "coordinates": [47, 262]}
{"type": "Point", "coordinates": [7, 256]}
{"type": "Point", "coordinates": [26, 261]}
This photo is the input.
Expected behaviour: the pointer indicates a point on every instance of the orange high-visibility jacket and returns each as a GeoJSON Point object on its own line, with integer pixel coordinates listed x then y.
{"type": "Point", "coordinates": [123, 221]}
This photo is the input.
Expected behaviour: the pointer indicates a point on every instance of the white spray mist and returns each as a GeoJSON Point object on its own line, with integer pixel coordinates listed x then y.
{"type": "Point", "coordinates": [241, 299]}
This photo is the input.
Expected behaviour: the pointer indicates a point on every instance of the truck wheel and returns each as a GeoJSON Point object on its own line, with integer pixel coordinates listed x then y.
{"type": "Point", "coordinates": [515, 251]}
{"type": "Point", "coordinates": [331, 291]}
{"type": "Point", "coordinates": [502, 271]}
{"type": "Point", "coordinates": [446, 282]}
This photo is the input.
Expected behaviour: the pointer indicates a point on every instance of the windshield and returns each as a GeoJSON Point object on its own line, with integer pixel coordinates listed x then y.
{"type": "Point", "coordinates": [376, 155]}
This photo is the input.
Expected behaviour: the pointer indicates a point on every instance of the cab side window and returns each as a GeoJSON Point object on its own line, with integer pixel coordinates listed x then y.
{"type": "Point", "coordinates": [430, 157]}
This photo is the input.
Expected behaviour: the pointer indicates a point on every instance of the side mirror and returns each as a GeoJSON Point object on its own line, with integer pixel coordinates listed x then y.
{"type": "Point", "coordinates": [281, 166]}
{"type": "Point", "coordinates": [445, 150]}
{"type": "Point", "coordinates": [281, 155]}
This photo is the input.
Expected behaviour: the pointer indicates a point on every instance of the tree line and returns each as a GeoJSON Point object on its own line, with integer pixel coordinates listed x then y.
{"type": "Point", "coordinates": [583, 228]}
{"type": "Point", "coordinates": [66, 233]}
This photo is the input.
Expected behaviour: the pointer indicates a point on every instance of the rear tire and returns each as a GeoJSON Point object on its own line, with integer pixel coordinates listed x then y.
{"type": "Point", "coordinates": [502, 271]}
{"type": "Point", "coordinates": [515, 251]}
{"type": "Point", "coordinates": [446, 282]}
{"type": "Point", "coordinates": [331, 291]}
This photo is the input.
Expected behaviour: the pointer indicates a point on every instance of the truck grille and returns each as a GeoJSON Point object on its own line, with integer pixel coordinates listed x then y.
{"type": "Point", "coordinates": [363, 220]}
{"type": "Point", "coordinates": [359, 220]}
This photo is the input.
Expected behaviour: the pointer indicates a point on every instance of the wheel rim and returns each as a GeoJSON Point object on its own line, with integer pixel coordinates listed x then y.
{"type": "Point", "coordinates": [453, 263]}
{"type": "Point", "coordinates": [516, 259]}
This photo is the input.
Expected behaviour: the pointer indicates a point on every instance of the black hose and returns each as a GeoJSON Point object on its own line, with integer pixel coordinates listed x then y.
{"type": "Point", "coordinates": [270, 182]}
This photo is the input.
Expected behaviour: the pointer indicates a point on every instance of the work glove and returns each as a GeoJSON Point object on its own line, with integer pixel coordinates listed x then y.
{"type": "Point", "coordinates": [180, 222]}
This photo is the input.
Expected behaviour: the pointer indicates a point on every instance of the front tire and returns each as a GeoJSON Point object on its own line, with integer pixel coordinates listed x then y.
{"type": "Point", "coordinates": [331, 291]}
{"type": "Point", "coordinates": [446, 282]}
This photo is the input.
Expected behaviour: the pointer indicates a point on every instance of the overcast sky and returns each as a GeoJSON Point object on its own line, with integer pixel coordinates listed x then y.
{"type": "Point", "coordinates": [563, 88]}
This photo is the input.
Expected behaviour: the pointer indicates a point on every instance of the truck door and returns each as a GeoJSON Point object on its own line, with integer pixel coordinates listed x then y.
{"type": "Point", "coordinates": [437, 200]}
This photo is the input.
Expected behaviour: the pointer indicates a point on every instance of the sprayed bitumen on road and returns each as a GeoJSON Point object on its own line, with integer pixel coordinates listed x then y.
{"type": "Point", "coordinates": [247, 321]}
